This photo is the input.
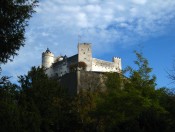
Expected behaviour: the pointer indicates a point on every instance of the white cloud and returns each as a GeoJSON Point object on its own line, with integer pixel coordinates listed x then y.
{"type": "Point", "coordinates": [141, 2]}
{"type": "Point", "coordinates": [120, 7]}
{"type": "Point", "coordinates": [58, 23]}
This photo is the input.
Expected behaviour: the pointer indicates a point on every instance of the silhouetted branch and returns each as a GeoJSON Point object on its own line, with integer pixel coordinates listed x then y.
{"type": "Point", "coordinates": [171, 73]}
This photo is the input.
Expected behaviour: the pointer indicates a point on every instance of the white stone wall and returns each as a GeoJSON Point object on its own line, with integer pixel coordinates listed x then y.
{"type": "Point", "coordinates": [103, 66]}
{"type": "Point", "coordinates": [47, 59]}
{"type": "Point", "coordinates": [85, 55]}
{"type": "Point", "coordinates": [117, 62]}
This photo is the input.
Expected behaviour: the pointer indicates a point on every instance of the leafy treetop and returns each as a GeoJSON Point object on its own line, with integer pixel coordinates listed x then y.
{"type": "Point", "coordinates": [14, 15]}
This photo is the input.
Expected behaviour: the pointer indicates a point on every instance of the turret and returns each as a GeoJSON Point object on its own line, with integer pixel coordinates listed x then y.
{"type": "Point", "coordinates": [47, 59]}
{"type": "Point", "coordinates": [117, 62]}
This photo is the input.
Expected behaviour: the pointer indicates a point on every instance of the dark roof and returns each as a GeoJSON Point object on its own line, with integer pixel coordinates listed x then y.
{"type": "Point", "coordinates": [73, 58]}
{"type": "Point", "coordinates": [47, 51]}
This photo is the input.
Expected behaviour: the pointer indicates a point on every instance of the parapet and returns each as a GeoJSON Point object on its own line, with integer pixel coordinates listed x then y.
{"type": "Point", "coordinates": [84, 43]}
{"type": "Point", "coordinates": [116, 59]}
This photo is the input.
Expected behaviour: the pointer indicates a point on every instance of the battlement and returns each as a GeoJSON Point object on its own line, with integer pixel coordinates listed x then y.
{"type": "Point", "coordinates": [117, 58]}
{"type": "Point", "coordinates": [102, 62]}
{"type": "Point", "coordinates": [84, 43]}
{"type": "Point", "coordinates": [47, 54]}
{"type": "Point", "coordinates": [104, 66]}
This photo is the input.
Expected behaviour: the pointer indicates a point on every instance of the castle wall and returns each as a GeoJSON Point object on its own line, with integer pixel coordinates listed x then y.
{"type": "Point", "coordinates": [50, 72]}
{"type": "Point", "coordinates": [74, 82]}
{"type": "Point", "coordinates": [90, 81]}
{"type": "Point", "coordinates": [69, 82]}
{"type": "Point", "coordinates": [103, 66]}
{"type": "Point", "coordinates": [60, 68]}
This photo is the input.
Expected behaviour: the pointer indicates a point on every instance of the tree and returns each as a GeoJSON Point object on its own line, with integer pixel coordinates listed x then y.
{"type": "Point", "coordinates": [77, 66]}
{"type": "Point", "coordinates": [152, 114]}
{"type": "Point", "coordinates": [131, 104]}
{"type": "Point", "coordinates": [141, 76]}
{"type": "Point", "coordinates": [14, 16]}
{"type": "Point", "coordinates": [3, 79]}
{"type": "Point", "coordinates": [45, 102]}
{"type": "Point", "coordinates": [171, 73]}
{"type": "Point", "coordinates": [36, 100]}
{"type": "Point", "coordinates": [167, 100]}
{"type": "Point", "coordinates": [9, 112]}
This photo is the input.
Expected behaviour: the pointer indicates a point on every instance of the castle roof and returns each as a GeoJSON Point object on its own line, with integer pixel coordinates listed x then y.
{"type": "Point", "coordinates": [48, 51]}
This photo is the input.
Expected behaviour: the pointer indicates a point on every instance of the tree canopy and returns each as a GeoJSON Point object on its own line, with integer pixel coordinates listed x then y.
{"type": "Point", "coordinates": [130, 103]}
{"type": "Point", "coordinates": [14, 16]}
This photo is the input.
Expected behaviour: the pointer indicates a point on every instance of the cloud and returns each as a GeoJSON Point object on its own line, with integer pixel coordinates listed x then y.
{"type": "Point", "coordinates": [107, 24]}
{"type": "Point", "coordinates": [84, 16]}
{"type": "Point", "coordinates": [141, 2]}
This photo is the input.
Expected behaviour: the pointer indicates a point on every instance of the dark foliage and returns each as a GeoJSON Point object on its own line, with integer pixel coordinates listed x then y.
{"type": "Point", "coordinates": [129, 104]}
{"type": "Point", "coordinates": [77, 66]}
{"type": "Point", "coordinates": [14, 15]}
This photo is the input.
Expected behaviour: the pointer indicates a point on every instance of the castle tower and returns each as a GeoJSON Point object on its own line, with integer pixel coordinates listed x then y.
{"type": "Point", "coordinates": [117, 62]}
{"type": "Point", "coordinates": [47, 59]}
{"type": "Point", "coordinates": [85, 55]}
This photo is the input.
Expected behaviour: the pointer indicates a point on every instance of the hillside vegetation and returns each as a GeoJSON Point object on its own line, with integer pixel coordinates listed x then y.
{"type": "Point", "coordinates": [131, 104]}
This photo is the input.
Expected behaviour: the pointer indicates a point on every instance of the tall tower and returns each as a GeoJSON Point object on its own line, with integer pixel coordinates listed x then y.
{"type": "Point", "coordinates": [47, 59]}
{"type": "Point", "coordinates": [118, 63]}
{"type": "Point", "coordinates": [85, 55]}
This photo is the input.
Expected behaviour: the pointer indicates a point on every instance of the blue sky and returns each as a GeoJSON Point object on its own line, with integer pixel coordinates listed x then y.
{"type": "Point", "coordinates": [114, 27]}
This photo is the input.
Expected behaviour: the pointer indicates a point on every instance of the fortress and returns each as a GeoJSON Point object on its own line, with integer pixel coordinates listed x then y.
{"type": "Point", "coordinates": [61, 65]}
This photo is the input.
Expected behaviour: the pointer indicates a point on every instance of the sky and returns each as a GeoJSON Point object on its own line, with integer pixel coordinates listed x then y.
{"type": "Point", "coordinates": [113, 27]}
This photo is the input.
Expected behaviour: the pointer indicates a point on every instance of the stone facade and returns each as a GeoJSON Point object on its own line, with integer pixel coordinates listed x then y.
{"type": "Point", "coordinates": [59, 66]}
{"type": "Point", "coordinates": [85, 55]}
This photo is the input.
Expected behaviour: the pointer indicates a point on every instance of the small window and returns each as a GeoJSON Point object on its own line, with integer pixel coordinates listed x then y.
{"type": "Point", "coordinates": [84, 52]}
